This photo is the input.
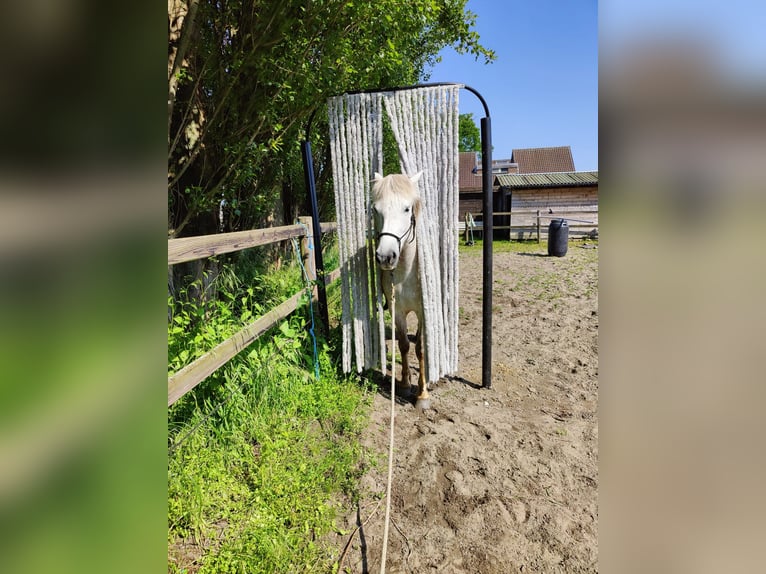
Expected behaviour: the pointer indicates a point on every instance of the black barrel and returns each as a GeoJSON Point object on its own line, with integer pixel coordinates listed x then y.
{"type": "Point", "coordinates": [558, 237]}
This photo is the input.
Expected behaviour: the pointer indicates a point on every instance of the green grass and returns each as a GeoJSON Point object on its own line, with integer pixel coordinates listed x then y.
{"type": "Point", "coordinates": [526, 246]}
{"type": "Point", "coordinates": [259, 452]}
{"type": "Point", "coordinates": [254, 484]}
{"type": "Point", "coordinates": [504, 246]}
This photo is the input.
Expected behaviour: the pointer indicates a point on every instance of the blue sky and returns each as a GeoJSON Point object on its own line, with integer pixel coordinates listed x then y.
{"type": "Point", "coordinates": [542, 90]}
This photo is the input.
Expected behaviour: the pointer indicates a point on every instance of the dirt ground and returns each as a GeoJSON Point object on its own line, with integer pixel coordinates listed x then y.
{"type": "Point", "coordinates": [504, 479]}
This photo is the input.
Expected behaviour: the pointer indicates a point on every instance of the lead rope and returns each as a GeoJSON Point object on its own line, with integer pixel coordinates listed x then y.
{"type": "Point", "coordinates": [391, 436]}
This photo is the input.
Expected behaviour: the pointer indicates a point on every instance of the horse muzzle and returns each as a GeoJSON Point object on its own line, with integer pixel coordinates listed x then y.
{"type": "Point", "coordinates": [387, 258]}
{"type": "Point", "coordinates": [386, 255]}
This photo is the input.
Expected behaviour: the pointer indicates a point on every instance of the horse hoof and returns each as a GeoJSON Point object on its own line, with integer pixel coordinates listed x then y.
{"type": "Point", "coordinates": [403, 391]}
{"type": "Point", "coordinates": [423, 404]}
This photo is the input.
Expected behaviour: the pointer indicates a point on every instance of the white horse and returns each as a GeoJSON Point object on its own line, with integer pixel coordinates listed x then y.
{"type": "Point", "coordinates": [396, 206]}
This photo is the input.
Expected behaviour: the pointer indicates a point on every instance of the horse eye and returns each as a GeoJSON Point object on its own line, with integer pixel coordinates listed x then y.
{"type": "Point", "coordinates": [406, 210]}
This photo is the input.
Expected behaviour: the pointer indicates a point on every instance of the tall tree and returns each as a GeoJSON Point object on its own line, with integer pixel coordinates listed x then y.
{"type": "Point", "coordinates": [245, 75]}
{"type": "Point", "coordinates": [468, 134]}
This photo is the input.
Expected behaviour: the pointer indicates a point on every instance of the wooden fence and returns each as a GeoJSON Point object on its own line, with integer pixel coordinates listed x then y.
{"type": "Point", "coordinates": [190, 248]}
{"type": "Point", "coordinates": [533, 224]}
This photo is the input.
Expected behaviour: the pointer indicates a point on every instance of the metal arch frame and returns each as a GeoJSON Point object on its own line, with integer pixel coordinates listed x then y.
{"type": "Point", "coordinates": [488, 232]}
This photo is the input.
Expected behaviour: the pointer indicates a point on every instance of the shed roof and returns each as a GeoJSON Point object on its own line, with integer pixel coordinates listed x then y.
{"type": "Point", "coordinates": [536, 180]}
{"type": "Point", "coordinates": [543, 159]}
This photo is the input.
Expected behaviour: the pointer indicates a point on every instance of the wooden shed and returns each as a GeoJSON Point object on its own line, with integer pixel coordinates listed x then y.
{"type": "Point", "coordinates": [532, 179]}
{"type": "Point", "coordinates": [569, 194]}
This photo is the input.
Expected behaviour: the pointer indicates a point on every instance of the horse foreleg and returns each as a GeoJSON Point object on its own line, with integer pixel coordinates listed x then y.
{"type": "Point", "coordinates": [423, 400]}
{"type": "Point", "coordinates": [403, 384]}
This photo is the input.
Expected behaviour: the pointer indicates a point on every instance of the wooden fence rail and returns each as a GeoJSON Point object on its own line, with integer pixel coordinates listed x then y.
{"type": "Point", "coordinates": [531, 221]}
{"type": "Point", "coordinates": [190, 248]}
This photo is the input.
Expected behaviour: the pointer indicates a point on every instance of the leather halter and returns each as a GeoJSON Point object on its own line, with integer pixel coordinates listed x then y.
{"type": "Point", "coordinates": [410, 230]}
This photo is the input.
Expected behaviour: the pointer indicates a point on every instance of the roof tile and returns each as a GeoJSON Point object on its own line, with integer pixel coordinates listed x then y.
{"type": "Point", "coordinates": [544, 159]}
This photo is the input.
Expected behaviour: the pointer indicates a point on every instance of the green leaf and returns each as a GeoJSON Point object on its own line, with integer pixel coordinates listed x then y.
{"type": "Point", "coordinates": [287, 330]}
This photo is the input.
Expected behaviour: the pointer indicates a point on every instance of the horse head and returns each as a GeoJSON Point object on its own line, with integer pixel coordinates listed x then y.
{"type": "Point", "coordinates": [396, 207]}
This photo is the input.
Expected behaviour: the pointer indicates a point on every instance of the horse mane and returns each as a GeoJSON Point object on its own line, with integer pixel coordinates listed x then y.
{"type": "Point", "coordinates": [395, 184]}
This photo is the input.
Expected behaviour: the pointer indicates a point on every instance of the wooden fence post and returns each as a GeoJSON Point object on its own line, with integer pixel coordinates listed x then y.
{"type": "Point", "coordinates": [538, 226]}
{"type": "Point", "coordinates": [465, 231]}
{"type": "Point", "coordinates": [306, 255]}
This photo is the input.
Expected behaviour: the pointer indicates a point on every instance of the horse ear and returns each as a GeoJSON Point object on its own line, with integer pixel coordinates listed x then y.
{"type": "Point", "coordinates": [377, 177]}
{"type": "Point", "coordinates": [416, 177]}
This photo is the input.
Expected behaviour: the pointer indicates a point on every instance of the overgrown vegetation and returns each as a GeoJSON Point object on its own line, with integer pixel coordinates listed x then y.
{"type": "Point", "coordinates": [258, 451]}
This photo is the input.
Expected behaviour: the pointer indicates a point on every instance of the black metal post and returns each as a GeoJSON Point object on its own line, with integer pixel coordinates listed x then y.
{"type": "Point", "coordinates": [486, 182]}
{"type": "Point", "coordinates": [308, 173]}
